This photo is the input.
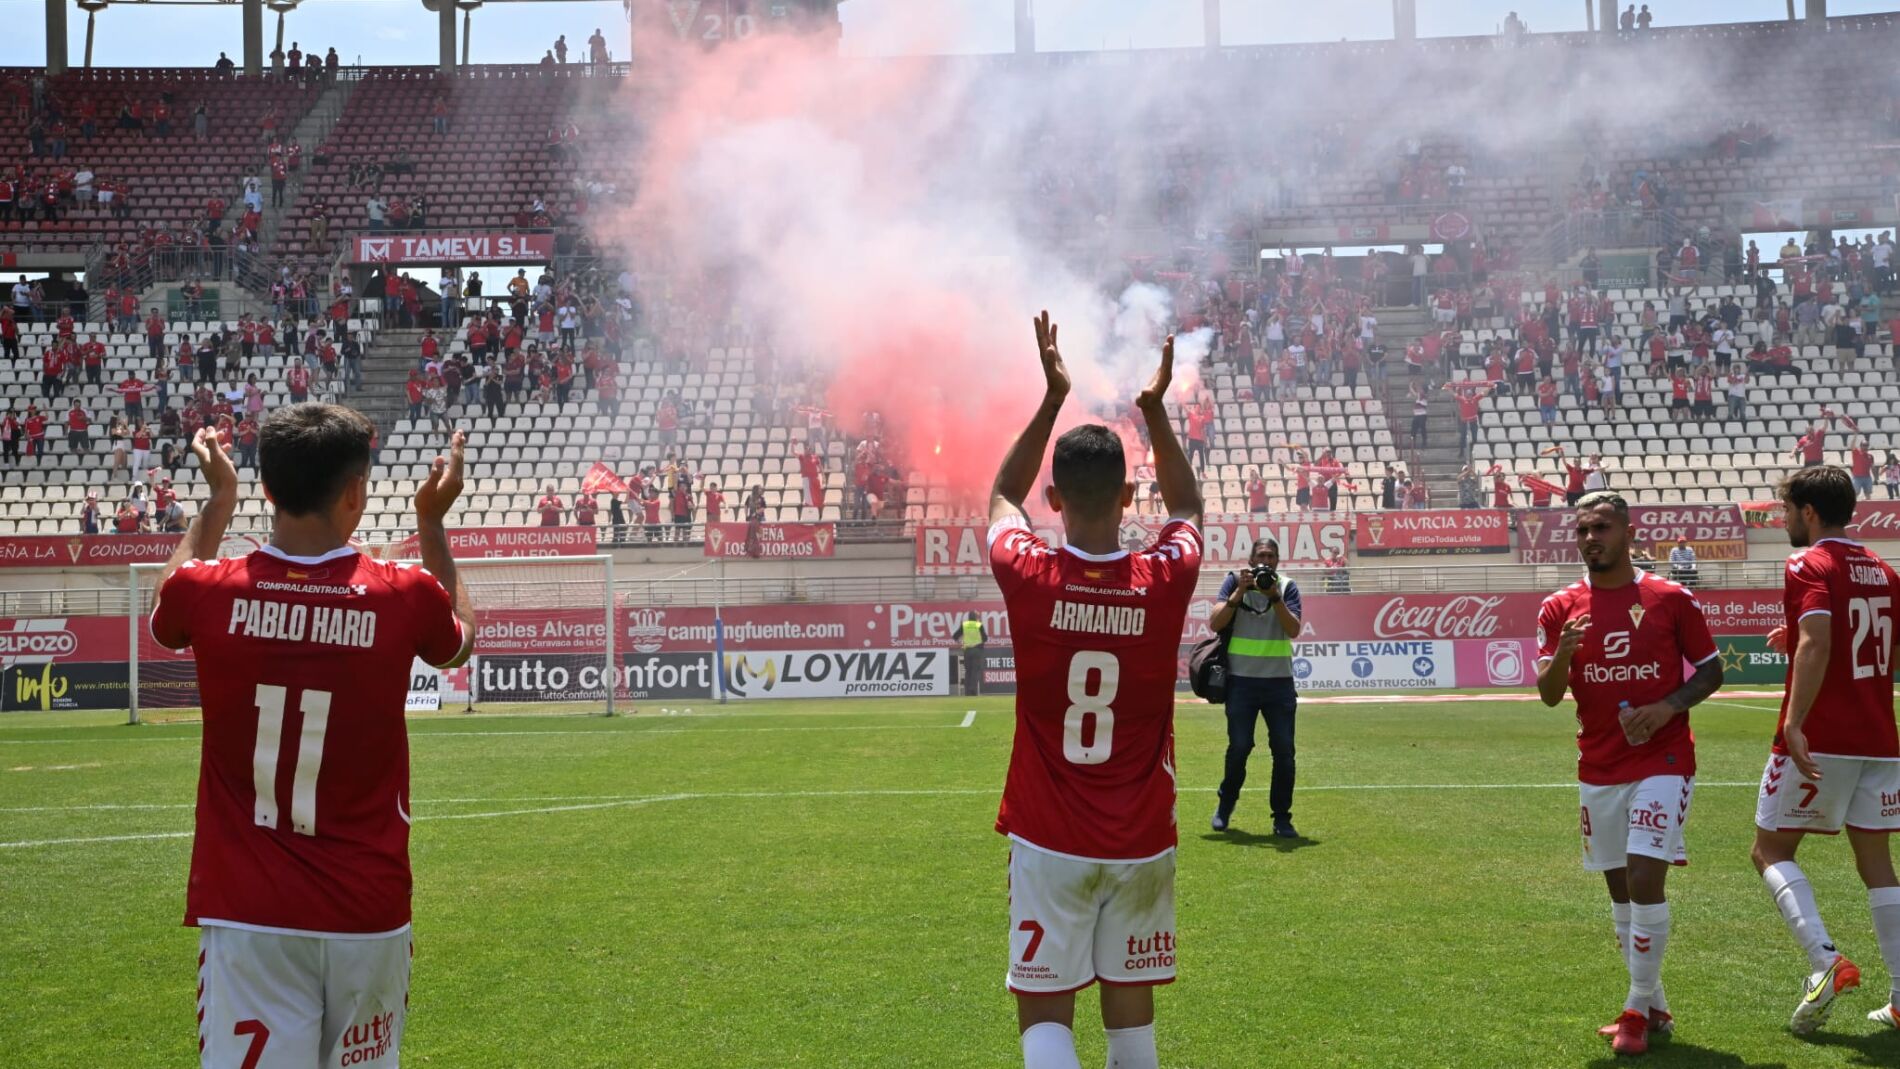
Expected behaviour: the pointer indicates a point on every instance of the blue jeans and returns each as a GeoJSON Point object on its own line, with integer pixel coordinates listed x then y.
{"type": "Point", "coordinates": [1274, 700]}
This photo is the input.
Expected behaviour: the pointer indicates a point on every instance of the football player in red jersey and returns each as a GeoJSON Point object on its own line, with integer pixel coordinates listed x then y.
{"type": "Point", "coordinates": [1836, 759]}
{"type": "Point", "coordinates": [1089, 801]}
{"type": "Point", "coordinates": [300, 879]}
{"type": "Point", "coordinates": [1617, 640]}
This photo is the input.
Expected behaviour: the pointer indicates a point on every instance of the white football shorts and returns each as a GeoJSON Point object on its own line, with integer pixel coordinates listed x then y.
{"type": "Point", "coordinates": [1645, 818]}
{"type": "Point", "coordinates": [1856, 792]}
{"type": "Point", "coordinates": [1073, 922]}
{"type": "Point", "coordinates": [269, 1000]}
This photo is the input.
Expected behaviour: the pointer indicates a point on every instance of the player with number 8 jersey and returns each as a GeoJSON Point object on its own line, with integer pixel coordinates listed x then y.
{"type": "Point", "coordinates": [300, 879]}
{"type": "Point", "coordinates": [1097, 638]}
{"type": "Point", "coordinates": [1088, 804]}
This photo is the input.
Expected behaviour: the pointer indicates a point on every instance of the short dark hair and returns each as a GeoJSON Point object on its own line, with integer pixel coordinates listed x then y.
{"type": "Point", "coordinates": [308, 454]}
{"type": "Point", "coordinates": [1089, 469]}
{"type": "Point", "coordinates": [1828, 488]}
{"type": "Point", "coordinates": [1605, 497]}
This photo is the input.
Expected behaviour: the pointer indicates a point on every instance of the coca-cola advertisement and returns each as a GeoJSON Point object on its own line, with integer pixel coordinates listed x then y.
{"type": "Point", "coordinates": [1715, 532]}
{"type": "Point", "coordinates": [961, 548]}
{"type": "Point", "coordinates": [1414, 533]}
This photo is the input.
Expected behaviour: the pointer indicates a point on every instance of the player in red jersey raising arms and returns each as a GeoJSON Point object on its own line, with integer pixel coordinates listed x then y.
{"type": "Point", "coordinates": [1616, 640]}
{"type": "Point", "coordinates": [1089, 802]}
{"type": "Point", "coordinates": [1836, 760]}
{"type": "Point", "coordinates": [300, 878]}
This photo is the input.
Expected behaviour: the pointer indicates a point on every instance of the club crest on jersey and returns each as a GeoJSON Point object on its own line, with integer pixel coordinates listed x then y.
{"type": "Point", "coordinates": [1637, 612]}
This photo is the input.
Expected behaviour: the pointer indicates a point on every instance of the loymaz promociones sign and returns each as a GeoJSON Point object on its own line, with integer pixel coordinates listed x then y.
{"type": "Point", "coordinates": [838, 674]}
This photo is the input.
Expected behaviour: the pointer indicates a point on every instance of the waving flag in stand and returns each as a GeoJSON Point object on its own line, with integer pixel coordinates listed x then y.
{"type": "Point", "coordinates": [601, 479]}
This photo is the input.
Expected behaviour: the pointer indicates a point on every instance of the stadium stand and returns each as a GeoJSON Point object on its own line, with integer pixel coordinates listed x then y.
{"type": "Point", "coordinates": [499, 147]}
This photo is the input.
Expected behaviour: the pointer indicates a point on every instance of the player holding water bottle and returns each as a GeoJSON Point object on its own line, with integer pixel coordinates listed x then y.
{"type": "Point", "coordinates": [1616, 640]}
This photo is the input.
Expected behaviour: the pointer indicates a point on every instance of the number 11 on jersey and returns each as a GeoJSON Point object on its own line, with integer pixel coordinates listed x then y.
{"type": "Point", "coordinates": [271, 701]}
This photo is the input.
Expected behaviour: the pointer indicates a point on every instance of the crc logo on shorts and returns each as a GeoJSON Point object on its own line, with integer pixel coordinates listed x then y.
{"type": "Point", "coordinates": [1616, 645]}
{"type": "Point", "coordinates": [1423, 667]}
{"type": "Point", "coordinates": [1303, 668]}
{"type": "Point", "coordinates": [1653, 818]}
{"type": "Point", "coordinates": [1362, 667]}
{"type": "Point", "coordinates": [1504, 663]}
{"type": "Point", "coordinates": [38, 643]}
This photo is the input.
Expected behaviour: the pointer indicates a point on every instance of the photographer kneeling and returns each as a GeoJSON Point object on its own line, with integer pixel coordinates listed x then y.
{"type": "Point", "coordinates": [1263, 609]}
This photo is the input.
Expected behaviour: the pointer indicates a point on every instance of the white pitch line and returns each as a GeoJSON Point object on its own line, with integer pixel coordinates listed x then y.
{"type": "Point", "coordinates": [968, 719]}
{"type": "Point", "coordinates": [1738, 705]}
{"type": "Point", "coordinates": [609, 733]}
{"type": "Point", "coordinates": [586, 803]}
{"type": "Point", "coordinates": [98, 839]}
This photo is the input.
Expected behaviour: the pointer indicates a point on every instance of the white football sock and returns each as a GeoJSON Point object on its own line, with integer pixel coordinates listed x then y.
{"type": "Point", "coordinates": [1620, 914]}
{"type": "Point", "coordinates": [1884, 902]}
{"type": "Point", "coordinates": [1794, 897]}
{"type": "Point", "coordinates": [1132, 1048]}
{"type": "Point", "coordinates": [1049, 1045]}
{"type": "Point", "coordinates": [1649, 937]}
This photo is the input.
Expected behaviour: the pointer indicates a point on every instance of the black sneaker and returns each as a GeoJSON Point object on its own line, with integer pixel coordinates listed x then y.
{"type": "Point", "coordinates": [1284, 829]}
{"type": "Point", "coordinates": [1219, 823]}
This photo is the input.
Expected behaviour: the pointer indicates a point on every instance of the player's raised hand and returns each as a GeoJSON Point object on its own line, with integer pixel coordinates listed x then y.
{"type": "Point", "coordinates": [1156, 395]}
{"type": "Point", "coordinates": [1795, 741]}
{"type": "Point", "coordinates": [220, 474]}
{"type": "Point", "coordinates": [1572, 636]}
{"type": "Point", "coordinates": [1778, 640]}
{"type": "Point", "coordinates": [1055, 376]}
{"type": "Point", "coordinates": [437, 494]}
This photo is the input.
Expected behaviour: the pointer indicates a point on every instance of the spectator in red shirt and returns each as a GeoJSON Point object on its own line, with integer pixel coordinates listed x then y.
{"type": "Point", "coordinates": [247, 442]}
{"type": "Point", "coordinates": [35, 431]}
{"type": "Point", "coordinates": [650, 509]}
{"type": "Point", "coordinates": [682, 506]}
{"type": "Point", "coordinates": [1199, 417]}
{"type": "Point", "coordinates": [9, 333]}
{"type": "Point", "coordinates": [1862, 467]}
{"type": "Point", "coordinates": [78, 429]}
{"type": "Point", "coordinates": [585, 510]}
{"type": "Point", "coordinates": [550, 507]}
{"type": "Point", "coordinates": [715, 502]}
{"type": "Point", "coordinates": [155, 333]}
{"type": "Point", "coordinates": [412, 389]}
{"type": "Point", "coordinates": [1257, 502]}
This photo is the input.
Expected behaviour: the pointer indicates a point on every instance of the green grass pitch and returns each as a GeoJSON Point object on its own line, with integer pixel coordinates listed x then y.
{"type": "Point", "coordinates": [817, 884]}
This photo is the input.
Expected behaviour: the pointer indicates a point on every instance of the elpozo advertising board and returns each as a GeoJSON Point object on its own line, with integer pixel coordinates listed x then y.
{"type": "Point", "coordinates": [869, 673]}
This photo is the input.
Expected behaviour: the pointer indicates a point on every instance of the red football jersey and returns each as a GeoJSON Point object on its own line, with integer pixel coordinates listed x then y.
{"type": "Point", "coordinates": [303, 664]}
{"type": "Point", "coordinates": [1853, 714]}
{"type": "Point", "coordinates": [1091, 772]}
{"type": "Point", "coordinates": [1633, 652]}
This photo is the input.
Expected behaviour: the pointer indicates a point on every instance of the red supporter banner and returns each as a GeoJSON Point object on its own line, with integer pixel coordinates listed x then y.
{"type": "Point", "coordinates": [1378, 534]}
{"type": "Point", "coordinates": [471, 247]}
{"type": "Point", "coordinates": [473, 543]}
{"type": "Point", "coordinates": [960, 549]}
{"type": "Point", "coordinates": [1875, 521]}
{"type": "Point", "coordinates": [1758, 515]}
{"type": "Point", "coordinates": [776, 541]}
{"type": "Point", "coordinates": [1715, 532]}
{"type": "Point", "coordinates": [85, 551]}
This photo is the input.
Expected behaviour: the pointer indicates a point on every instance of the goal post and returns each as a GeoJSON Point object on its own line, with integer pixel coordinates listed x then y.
{"type": "Point", "coordinates": [548, 637]}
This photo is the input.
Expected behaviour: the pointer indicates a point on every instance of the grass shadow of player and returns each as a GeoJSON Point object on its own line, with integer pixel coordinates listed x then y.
{"type": "Point", "coordinates": [1688, 1055]}
{"type": "Point", "coordinates": [1236, 837]}
{"type": "Point", "coordinates": [1877, 1048]}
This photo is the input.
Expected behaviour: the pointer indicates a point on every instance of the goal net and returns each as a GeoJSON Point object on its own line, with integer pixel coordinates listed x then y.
{"type": "Point", "coordinates": [546, 642]}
